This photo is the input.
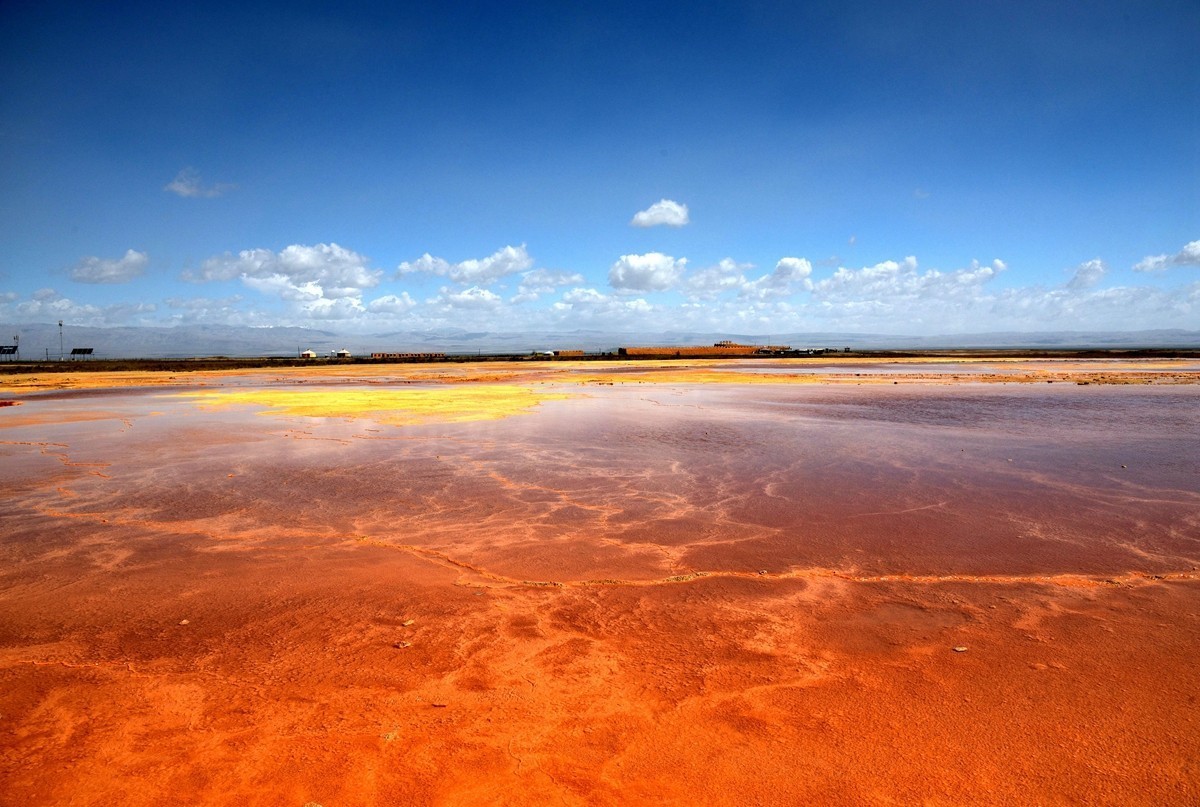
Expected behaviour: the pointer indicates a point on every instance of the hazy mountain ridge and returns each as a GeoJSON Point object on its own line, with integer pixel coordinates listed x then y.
{"type": "Point", "coordinates": [39, 340]}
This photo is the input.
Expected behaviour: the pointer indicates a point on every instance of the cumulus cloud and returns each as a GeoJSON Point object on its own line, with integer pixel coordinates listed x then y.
{"type": "Point", "coordinates": [587, 305]}
{"type": "Point", "coordinates": [392, 304]}
{"type": "Point", "coordinates": [110, 270]}
{"type": "Point", "coordinates": [1188, 256]}
{"type": "Point", "coordinates": [789, 276]}
{"type": "Point", "coordinates": [507, 261]}
{"type": "Point", "coordinates": [782, 282]}
{"type": "Point", "coordinates": [709, 283]}
{"type": "Point", "coordinates": [537, 282]}
{"type": "Point", "coordinates": [663, 212]}
{"type": "Point", "coordinates": [653, 271]}
{"type": "Point", "coordinates": [893, 283]}
{"type": "Point", "coordinates": [473, 298]}
{"type": "Point", "coordinates": [309, 277]}
{"type": "Point", "coordinates": [585, 296]}
{"type": "Point", "coordinates": [341, 308]}
{"type": "Point", "coordinates": [187, 184]}
{"type": "Point", "coordinates": [297, 272]}
{"type": "Point", "coordinates": [1087, 274]}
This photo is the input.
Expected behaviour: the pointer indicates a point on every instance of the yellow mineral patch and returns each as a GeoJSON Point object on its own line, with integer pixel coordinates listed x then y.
{"type": "Point", "coordinates": [451, 403]}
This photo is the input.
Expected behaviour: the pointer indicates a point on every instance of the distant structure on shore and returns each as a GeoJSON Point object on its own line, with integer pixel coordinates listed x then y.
{"type": "Point", "coordinates": [333, 354]}
{"type": "Point", "coordinates": [407, 356]}
{"type": "Point", "coordinates": [723, 348]}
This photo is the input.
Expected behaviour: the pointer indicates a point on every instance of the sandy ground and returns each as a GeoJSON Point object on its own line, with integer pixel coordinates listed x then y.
{"type": "Point", "coordinates": [656, 583]}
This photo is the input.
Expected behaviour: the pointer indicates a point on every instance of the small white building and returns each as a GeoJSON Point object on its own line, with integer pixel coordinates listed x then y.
{"type": "Point", "coordinates": [340, 354]}
{"type": "Point", "coordinates": [308, 354]}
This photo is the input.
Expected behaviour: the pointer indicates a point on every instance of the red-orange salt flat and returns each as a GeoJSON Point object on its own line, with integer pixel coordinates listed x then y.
{"type": "Point", "coordinates": [682, 591]}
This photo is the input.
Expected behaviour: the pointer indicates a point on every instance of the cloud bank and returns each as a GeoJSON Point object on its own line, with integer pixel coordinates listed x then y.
{"type": "Point", "coordinates": [328, 283]}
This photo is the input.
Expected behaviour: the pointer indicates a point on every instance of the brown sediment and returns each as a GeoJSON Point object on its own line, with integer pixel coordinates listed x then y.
{"type": "Point", "coordinates": [681, 591]}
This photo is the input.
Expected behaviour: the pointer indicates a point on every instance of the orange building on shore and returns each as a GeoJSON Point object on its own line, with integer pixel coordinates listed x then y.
{"type": "Point", "coordinates": [723, 348]}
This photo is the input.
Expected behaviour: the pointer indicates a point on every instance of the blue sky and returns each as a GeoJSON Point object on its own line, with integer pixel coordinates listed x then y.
{"type": "Point", "coordinates": [900, 167]}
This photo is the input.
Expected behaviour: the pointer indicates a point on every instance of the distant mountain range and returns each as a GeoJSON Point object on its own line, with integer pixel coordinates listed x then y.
{"type": "Point", "coordinates": [40, 340]}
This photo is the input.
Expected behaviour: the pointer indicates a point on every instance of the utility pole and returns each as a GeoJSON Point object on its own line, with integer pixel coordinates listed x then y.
{"type": "Point", "coordinates": [61, 352]}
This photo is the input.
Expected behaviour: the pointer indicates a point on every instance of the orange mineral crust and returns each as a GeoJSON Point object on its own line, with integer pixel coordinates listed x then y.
{"type": "Point", "coordinates": [662, 585]}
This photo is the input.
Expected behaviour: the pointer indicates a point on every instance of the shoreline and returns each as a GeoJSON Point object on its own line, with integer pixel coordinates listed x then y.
{"type": "Point", "coordinates": [209, 363]}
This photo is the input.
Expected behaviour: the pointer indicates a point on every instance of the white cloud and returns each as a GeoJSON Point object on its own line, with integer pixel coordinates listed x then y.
{"type": "Point", "coordinates": [474, 298]}
{"type": "Point", "coordinates": [507, 261]}
{"type": "Point", "coordinates": [709, 283]}
{"type": "Point", "coordinates": [791, 269]}
{"type": "Point", "coordinates": [1065, 308]}
{"type": "Point", "coordinates": [653, 271]}
{"type": "Point", "coordinates": [323, 281]}
{"type": "Point", "coordinates": [789, 272]}
{"type": "Point", "coordinates": [543, 281]}
{"type": "Point", "coordinates": [891, 283]}
{"type": "Point", "coordinates": [306, 276]}
{"type": "Point", "coordinates": [789, 275]}
{"type": "Point", "coordinates": [187, 184]}
{"type": "Point", "coordinates": [585, 296]}
{"type": "Point", "coordinates": [285, 287]}
{"type": "Point", "coordinates": [1087, 274]}
{"type": "Point", "coordinates": [47, 305]}
{"type": "Point", "coordinates": [663, 212]}
{"type": "Point", "coordinates": [202, 303]}
{"type": "Point", "coordinates": [341, 308]}
{"type": "Point", "coordinates": [587, 305]}
{"type": "Point", "coordinates": [62, 308]}
{"type": "Point", "coordinates": [110, 270]}
{"type": "Point", "coordinates": [1188, 256]}
{"type": "Point", "coordinates": [392, 304]}
{"type": "Point", "coordinates": [189, 310]}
